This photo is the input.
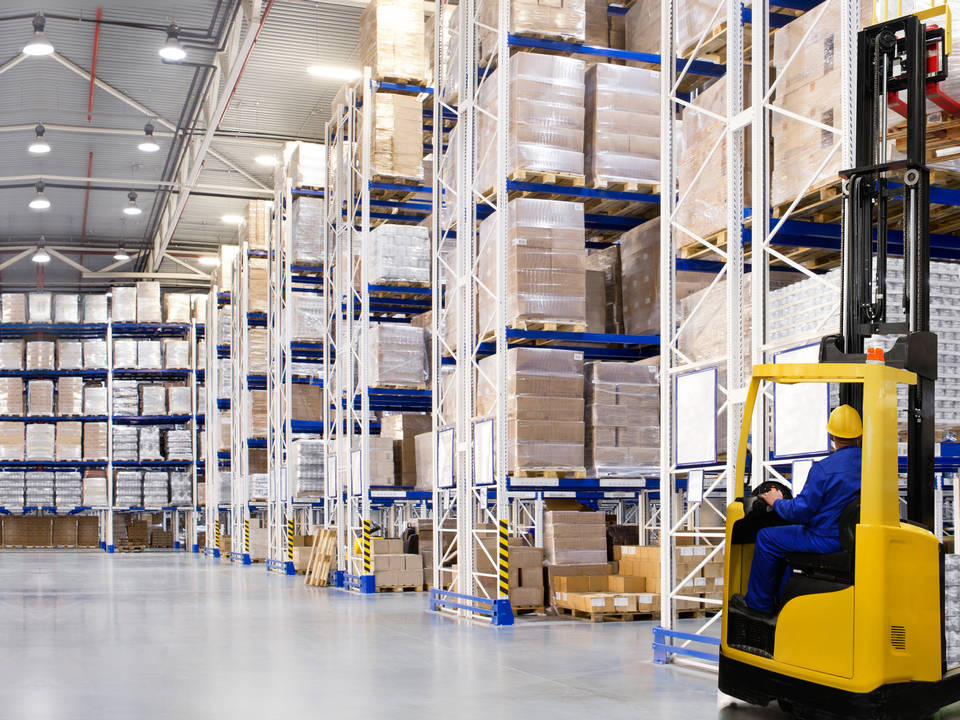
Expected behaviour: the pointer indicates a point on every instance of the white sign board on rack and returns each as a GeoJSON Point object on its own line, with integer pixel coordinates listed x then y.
{"type": "Point", "coordinates": [800, 410]}
{"type": "Point", "coordinates": [695, 486]}
{"type": "Point", "coordinates": [330, 477]}
{"type": "Point", "coordinates": [695, 432]}
{"type": "Point", "coordinates": [444, 451]}
{"type": "Point", "coordinates": [484, 471]}
{"type": "Point", "coordinates": [356, 477]}
{"type": "Point", "coordinates": [798, 476]}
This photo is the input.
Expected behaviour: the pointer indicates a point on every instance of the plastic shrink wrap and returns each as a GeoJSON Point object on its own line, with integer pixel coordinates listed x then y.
{"type": "Point", "coordinates": [150, 443]}
{"type": "Point", "coordinates": [95, 441]}
{"type": "Point", "coordinates": [66, 309]}
{"type": "Point", "coordinates": [69, 396]}
{"type": "Point", "coordinates": [125, 443]}
{"type": "Point", "coordinates": [126, 398]}
{"type": "Point", "coordinates": [94, 489]}
{"type": "Point", "coordinates": [398, 355]}
{"type": "Point", "coordinates": [11, 396]}
{"type": "Point", "coordinates": [308, 322]}
{"type": "Point", "coordinates": [123, 304]}
{"type": "Point", "coordinates": [256, 230]}
{"type": "Point", "coordinates": [622, 129]}
{"type": "Point", "coordinates": [546, 118]}
{"type": "Point", "coordinates": [41, 355]}
{"type": "Point", "coordinates": [95, 400]}
{"type": "Point", "coordinates": [257, 286]}
{"type": "Point", "coordinates": [546, 279]}
{"type": "Point", "coordinates": [622, 418]}
{"type": "Point", "coordinates": [125, 354]}
{"type": "Point", "coordinates": [156, 488]}
{"type": "Point", "coordinates": [128, 488]}
{"type": "Point", "coordinates": [397, 137]}
{"type": "Point", "coordinates": [401, 253]}
{"type": "Point", "coordinates": [307, 230]}
{"type": "Point", "coordinates": [153, 400]}
{"type": "Point", "coordinates": [13, 308]}
{"type": "Point", "coordinates": [176, 308]}
{"type": "Point", "coordinates": [69, 441]}
{"type": "Point", "coordinates": [95, 309]}
{"type": "Point", "coordinates": [391, 40]}
{"type": "Point", "coordinates": [308, 466]}
{"type": "Point", "coordinates": [257, 339]}
{"type": "Point", "coordinates": [149, 354]}
{"type": "Point", "coordinates": [70, 354]}
{"type": "Point", "coordinates": [95, 354]}
{"type": "Point", "coordinates": [544, 396]}
{"type": "Point", "coordinates": [148, 302]}
{"type": "Point", "coordinates": [40, 397]}
{"type": "Point", "coordinates": [176, 353]}
{"type": "Point", "coordinates": [40, 307]}
{"type": "Point", "coordinates": [11, 355]}
{"type": "Point", "coordinates": [557, 19]}
{"type": "Point", "coordinates": [40, 442]}
{"type": "Point", "coordinates": [11, 440]}
{"type": "Point", "coordinates": [178, 400]}
{"type": "Point", "coordinates": [177, 445]}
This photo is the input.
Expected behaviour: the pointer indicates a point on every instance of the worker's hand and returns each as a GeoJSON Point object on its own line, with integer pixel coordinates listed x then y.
{"type": "Point", "coordinates": [771, 496]}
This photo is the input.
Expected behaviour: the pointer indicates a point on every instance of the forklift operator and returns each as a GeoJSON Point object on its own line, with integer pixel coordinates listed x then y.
{"type": "Point", "coordinates": [831, 484]}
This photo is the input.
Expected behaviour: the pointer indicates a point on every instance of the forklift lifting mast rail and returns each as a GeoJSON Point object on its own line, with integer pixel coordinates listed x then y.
{"type": "Point", "coordinates": [860, 633]}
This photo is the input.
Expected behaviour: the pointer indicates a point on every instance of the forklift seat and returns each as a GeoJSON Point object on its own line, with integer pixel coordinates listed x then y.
{"type": "Point", "coordinates": [834, 567]}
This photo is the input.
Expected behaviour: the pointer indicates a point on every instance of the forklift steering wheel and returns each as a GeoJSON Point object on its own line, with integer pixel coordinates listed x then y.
{"type": "Point", "coordinates": [756, 505]}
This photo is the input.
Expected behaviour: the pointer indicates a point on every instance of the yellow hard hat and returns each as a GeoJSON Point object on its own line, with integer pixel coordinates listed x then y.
{"type": "Point", "coordinates": [845, 422]}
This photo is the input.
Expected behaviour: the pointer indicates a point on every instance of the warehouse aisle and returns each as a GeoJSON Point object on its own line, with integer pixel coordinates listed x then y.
{"type": "Point", "coordinates": [172, 636]}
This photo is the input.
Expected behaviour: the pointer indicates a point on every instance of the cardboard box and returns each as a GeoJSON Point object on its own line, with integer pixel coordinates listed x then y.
{"type": "Point", "coordinates": [387, 578]}
{"type": "Point", "coordinates": [410, 577]}
{"type": "Point", "coordinates": [521, 597]}
{"type": "Point", "coordinates": [403, 429]}
{"type": "Point", "coordinates": [392, 40]}
{"type": "Point", "coordinates": [626, 584]}
{"type": "Point", "coordinates": [386, 546]}
{"type": "Point", "coordinates": [301, 557]}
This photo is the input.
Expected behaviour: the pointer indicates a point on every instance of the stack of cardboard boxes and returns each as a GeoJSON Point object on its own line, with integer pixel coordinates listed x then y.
{"type": "Point", "coordinates": [394, 568]}
{"type": "Point", "coordinates": [526, 577]}
{"type": "Point", "coordinates": [574, 538]}
{"type": "Point", "coordinates": [643, 562]}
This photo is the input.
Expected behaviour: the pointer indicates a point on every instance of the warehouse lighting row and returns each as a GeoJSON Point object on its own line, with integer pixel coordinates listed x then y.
{"type": "Point", "coordinates": [41, 255]}
{"type": "Point", "coordinates": [38, 45]}
{"type": "Point", "coordinates": [40, 146]}
{"type": "Point", "coordinates": [41, 202]}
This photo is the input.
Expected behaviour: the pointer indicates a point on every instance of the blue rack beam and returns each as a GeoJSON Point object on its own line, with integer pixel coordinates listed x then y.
{"type": "Point", "coordinates": [151, 419]}
{"type": "Point", "coordinates": [53, 418]}
{"type": "Point", "coordinates": [76, 330]}
{"type": "Point", "coordinates": [150, 330]}
{"type": "Point", "coordinates": [52, 374]}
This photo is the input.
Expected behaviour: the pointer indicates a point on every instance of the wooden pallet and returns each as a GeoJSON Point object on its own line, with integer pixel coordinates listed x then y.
{"type": "Point", "coordinates": [402, 283]}
{"type": "Point", "coordinates": [549, 473]}
{"type": "Point", "coordinates": [943, 137]}
{"type": "Point", "coordinates": [599, 617]}
{"type": "Point", "coordinates": [402, 80]}
{"type": "Point", "coordinates": [400, 588]}
{"type": "Point", "coordinates": [546, 177]}
{"type": "Point", "coordinates": [127, 546]}
{"type": "Point", "coordinates": [714, 46]}
{"type": "Point", "coordinates": [820, 204]}
{"type": "Point", "coordinates": [322, 555]}
{"type": "Point", "coordinates": [528, 609]}
{"type": "Point", "coordinates": [545, 325]}
{"type": "Point", "coordinates": [627, 186]}
{"type": "Point", "coordinates": [394, 386]}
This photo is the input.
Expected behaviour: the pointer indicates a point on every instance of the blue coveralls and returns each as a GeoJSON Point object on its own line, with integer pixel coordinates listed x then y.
{"type": "Point", "coordinates": [831, 484]}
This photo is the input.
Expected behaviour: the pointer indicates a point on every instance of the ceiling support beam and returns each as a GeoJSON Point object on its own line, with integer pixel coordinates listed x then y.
{"type": "Point", "coordinates": [16, 258]}
{"type": "Point", "coordinates": [106, 273]}
{"type": "Point", "coordinates": [230, 66]}
{"type": "Point", "coordinates": [123, 97]}
{"type": "Point", "coordinates": [174, 259]}
{"type": "Point", "coordinates": [132, 182]}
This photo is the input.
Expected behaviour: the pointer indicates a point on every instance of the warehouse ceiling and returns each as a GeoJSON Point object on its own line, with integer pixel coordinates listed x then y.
{"type": "Point", "coordinates": [261, 50]}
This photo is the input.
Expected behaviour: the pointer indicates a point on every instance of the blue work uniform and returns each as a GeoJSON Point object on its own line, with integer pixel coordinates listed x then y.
{"type": "Point", "coordinates": [831, 484]}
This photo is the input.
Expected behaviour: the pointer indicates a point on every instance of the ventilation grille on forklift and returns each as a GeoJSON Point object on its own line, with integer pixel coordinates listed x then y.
{"type": "Point", "coordinates": [898, 637]}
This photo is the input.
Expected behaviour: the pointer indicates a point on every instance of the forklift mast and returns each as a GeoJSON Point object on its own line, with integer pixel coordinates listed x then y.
{"type": "Point", "coordinates": [895, 57]}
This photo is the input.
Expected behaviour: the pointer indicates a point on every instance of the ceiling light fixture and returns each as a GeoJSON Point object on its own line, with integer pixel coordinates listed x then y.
{"type": "Point", "coordinates": [268, 160]}
{"type": "Point", "coordinates": [211, 260]}
{"type": "Point", "coordinates": [38, 45]}
{"type": "Point", "coordinates": [232, 219]}
{"type": "Point", "coordinates": [41, 255]}
{"type": "Point", "coordinates": [172, 49]}
{"type": "Point", "coordinates": [332, 72]}
{"type": "Point", "coordinates": [148, 144]}
{"type": "Point", "coordinates": [121, 255]}
{"type": "Point", "coordinates": [132, 208]}
{"type": "Point", "coordinates": [39, 146]}
{"type": "Point", "coordinates": [40, 201]}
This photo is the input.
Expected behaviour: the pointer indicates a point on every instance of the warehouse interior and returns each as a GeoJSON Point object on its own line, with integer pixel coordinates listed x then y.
{"type": "Point", "coordinates": [548, 358]}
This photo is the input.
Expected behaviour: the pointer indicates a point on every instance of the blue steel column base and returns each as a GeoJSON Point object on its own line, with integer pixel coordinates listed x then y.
{"type": "Point", "coordinates": [288, 568]}
{"type": "Point", "coordinates": [368, 584]}
{"type": "Point", "coordinates": [246, 559]}
{"type": "Point", "coordinates": [176, 544]}
{"type": "Point", "coordinates": [338, 578]}
{"type": "Point", "coordinates": [109, 548]}
{"type": "Point", "coordinates": [195, 548]}
{"type": "Point", "coordinates": [216, 553]}
{"type": "Point", "coordinates": [103, 545]}
{"type": "Point", "coordinates": [502, 612]}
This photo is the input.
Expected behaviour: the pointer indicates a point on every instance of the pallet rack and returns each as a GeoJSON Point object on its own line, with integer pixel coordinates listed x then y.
{"type": "Point", "coordinates": [108, 332]}
{"type": "Point", "coordinates": [216, 514]}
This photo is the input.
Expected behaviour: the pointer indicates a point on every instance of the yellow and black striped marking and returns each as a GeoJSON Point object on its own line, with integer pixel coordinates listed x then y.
{"type": "Point", "coordinates": [504, 559]}
{"type": "Point", "coordinates": [290, 539]}
{"type": "Point", "coordinates": [367, 565]}
{"type": "Point", "coordinates": [246, 536]}
{"type": "Point", "coordinates": [217, 531]}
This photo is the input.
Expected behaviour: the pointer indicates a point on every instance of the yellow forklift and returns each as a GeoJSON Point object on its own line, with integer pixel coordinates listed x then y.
{"type": "Point", "coordinates": [860, 633]}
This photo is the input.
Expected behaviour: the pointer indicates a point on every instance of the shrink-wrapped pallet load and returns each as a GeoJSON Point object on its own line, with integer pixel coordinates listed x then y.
{"type": "Point", "coordinates": [398, 356]}
{"type": "Point", "coordinates": [123, 304]}
{"type": "Point", "coordinates": [41, 355]}
{"type": "Point", "coordinates": [125, 354]}
{"type": "Point", "coordinates": [156, 488]}
{"type": "Point", "coordinates": [40, 397]}
{"type": "Point", "coordinates": [70, 396]}
{"type": "Point", "coordinates": [40, 441]}
{"type": "Point", "coordinates": [546, 280]}
{"type": "Point", "coordinates": [181, 489]}
{"type": "Point", "coordinates": [95, 308]}
{"type": "Point", "coordinates": [11, 440]}
{"type": "Point", "coordinates": [257, 286]}
{"type": "Point", "coordinates": [125, 443]}
{"type": "Point", "coordinates": [546, 120]}
{"type": "Point", "coordinates": [403, 429]}
{"type": "Point", "coordinates": [307, 231]}
{"type": "Point", "coordinates": [256, 229]}
{"type": "Point", "coordinates": [11, 489]}
{"type": "Point", "coordinates": [153, 399]}
{"type": "Point", "coordinates": [557, 19]}
{"type": "Point", "coordinates": [176, 444]}
{"type": "Point", "coordinates": [38, 490]}
{"type": "Point", "coordinates": [40, 307]}
{"type": "Point", "coordinates": [149, 354]}
{"type": "Point", "coordinates": [307, 166]}
{"type": "Point", "coordinates": [258, 419]}
{"type": "Point", "coordinates": [622, 418]}
{"type": "Point", "coordinates": [257, 339]}
{"type": "Point", "coordinates": [11, 396]}
{"type": "Point", "coordinates": [401, 253]}
{"type": "Point", "coordinates": [574, 538]}
{"type": "Point", "coordinates": [622, 129]}
{"type": "Point", "coordinates": [66, 309]}
{"type": "Point", "coordinates": [308, 322]}
{"type": "Point", "coordinates": [397, 137]}
{"type": "Point", "coordinates": [128, 489]}
{"type": "Point", "coordinates": [179, 400]}
{"type": "Point", "coordinates": [176, 353]}
{"type": "Point", "coordinates": [94, 488]}
{"type": "Point", "coordinates": [607, 262]}
{"type": "Point", "coordinates": [11, 355]}
{"type": "Point", "coordinates": [94, 441]}
{"type": "Point", "coordinates": [149, 443]}
{"type": "Point", "coordinates": [69, 441]}
{"type": "Point", "coordinates": [176, 308]}
{"type": "Point", "coordinates": [307, 468]}
{"type": "Point", "coordinates": [544, 396]}
{"type": "Point", "coordinates": [148, 302]}
{"type": "Point", "coordinates": [67, 487]}
{"type": "Point", "coordinates": [126, 398]}
{"type": "Point", "coordinates": [391, 40]}
{"type": "Point", "coordinates": [70, 354]}
{"type": "Point", "coordinates": [95, 354]}
{"type": "Point", "coordinates": [95, 400]}
{"type": "Point", "coordinates": [13, 308]}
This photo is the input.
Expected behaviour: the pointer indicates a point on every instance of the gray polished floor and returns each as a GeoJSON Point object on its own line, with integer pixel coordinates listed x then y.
{"type": "Point", "coordinates": [178, 636]}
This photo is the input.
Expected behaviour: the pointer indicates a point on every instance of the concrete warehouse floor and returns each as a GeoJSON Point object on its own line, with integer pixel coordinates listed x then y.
{"type": "Point", "coordinates": [87, 635]}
